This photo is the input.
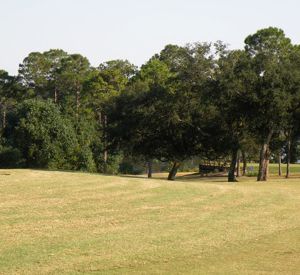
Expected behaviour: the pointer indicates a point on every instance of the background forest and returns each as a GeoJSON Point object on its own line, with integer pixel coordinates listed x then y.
{"type": "Point", "coordinates": [188, 105]}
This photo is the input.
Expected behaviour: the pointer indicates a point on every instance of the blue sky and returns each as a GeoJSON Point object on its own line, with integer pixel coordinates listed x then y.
{"type": "Point", "coordinates": [133, 29]}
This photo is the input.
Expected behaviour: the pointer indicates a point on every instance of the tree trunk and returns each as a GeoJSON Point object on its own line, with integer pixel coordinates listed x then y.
{"type": "Point", "coordinates": [100, 118]}
{"type": "Point", "coordinates": [4, 119]}
{"type": "Point", "coordinates": [267, 166]}
{"type": "Point", "coordinates": [264, 159]}
{"type": "Point", "coordinates": [77, 103]}
{"type": "Point", "coordinates": [279, 164]}
{"type": "Point", "coordinates": [105, 154]}
{"type": "Point", "coordinates": [238, 164]}
{"type": "Point", "coordinates": [149, 165]}
{"type": "Point", "coordinates": [77, 99]}
{"type": "Point", "coordinates": [55, 95]}
{"type": "Point", "coordinates": [263, 170]}
{"type": "Point", "coordinates": [231, 172]}
{"type": "Point", "coordinates": [288, 157]}
{"type": "Point", "coordinates": [173, 172]}
{"type": "Point", "coordinates": [244, 163]}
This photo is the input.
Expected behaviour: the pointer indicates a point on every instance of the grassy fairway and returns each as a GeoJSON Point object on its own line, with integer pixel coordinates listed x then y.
{"type": "Point", "coordinates": [75, 223]}
{"type": "Point", "coordinates": [273, 168]}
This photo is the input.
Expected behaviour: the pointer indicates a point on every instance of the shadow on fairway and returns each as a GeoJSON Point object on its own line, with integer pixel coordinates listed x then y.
{"type": "Point", "coordinates": [186, 177]}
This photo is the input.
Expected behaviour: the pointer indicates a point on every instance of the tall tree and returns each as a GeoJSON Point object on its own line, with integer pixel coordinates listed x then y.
{"type": "Point", "coordinates": [292, 125]}
{"type": "Point", "coordinates": [268, 50]}
{"type": "Point", "coordinates": [39, 73]}
{"type": "Point", "coordinates": [161, 116]}
{"type": "Point", "coordinates": [11, 92]}
{"type": "Point", "coordinates": [73, 73]}
{"type": "Point", "coordinates": [229, 94]}
{"type": "Point", "coordinates": [116, 74]}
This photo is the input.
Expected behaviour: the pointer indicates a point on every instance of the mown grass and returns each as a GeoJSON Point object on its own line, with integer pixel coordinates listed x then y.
{"type": "Point", "coordinates": [76, 223]}
{"type": "Point", "coordinates": [273, 168]}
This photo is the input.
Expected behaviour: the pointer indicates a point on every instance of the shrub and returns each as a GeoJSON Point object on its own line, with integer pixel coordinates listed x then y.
{"type": "Point", "coordinates": [42, 135]}
{"type": "Point", "coordinates": [10, 158]}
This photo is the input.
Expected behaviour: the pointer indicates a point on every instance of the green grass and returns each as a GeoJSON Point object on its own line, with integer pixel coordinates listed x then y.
{"type": "Point", "coordinates": [76, 223]}
{"type": "Point", "coordinates": [273, 168]}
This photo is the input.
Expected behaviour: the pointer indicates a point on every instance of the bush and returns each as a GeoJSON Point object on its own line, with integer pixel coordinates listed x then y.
{"type": "Point", "coordinates": [10, 158]}
{"type": "Point", "coordinates": [42, 135]}
{"type": "Point", "coordinates": [85, 161]}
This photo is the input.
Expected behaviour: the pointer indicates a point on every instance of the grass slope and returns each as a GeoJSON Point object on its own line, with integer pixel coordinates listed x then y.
{"type": "Point", "coordinates": [75, 223]}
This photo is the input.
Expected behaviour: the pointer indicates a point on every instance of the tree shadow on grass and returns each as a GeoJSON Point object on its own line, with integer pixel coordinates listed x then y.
{"type": "Point", "coordinates": [186, 177]}
{"type": "Point", "coordinates": [213, 177]}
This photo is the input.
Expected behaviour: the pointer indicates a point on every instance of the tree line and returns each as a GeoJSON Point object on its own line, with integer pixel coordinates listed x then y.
{"type": "Point", "coordinates": [199, 100]}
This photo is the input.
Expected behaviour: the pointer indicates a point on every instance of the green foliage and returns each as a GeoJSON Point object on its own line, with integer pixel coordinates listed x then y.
{"type": "Point", "coordinates": [39, 73]}
{"type": "Point", "coordinates": [132, 165]}
{"type": "Point", "coordinates": [10, 158]}
{"type": "Point", "coordinates": [160, 115]}
{"type": "Point", "coordinates": [44, 137]}
{"type": "Point", "coordinates": [198, 100]}
{"type": "Point", "coordinates": [85, 160]}
{"type": "Point", "coordinates": [270, 96]}
{"type": "Point", "coordinates": [116, 73]}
